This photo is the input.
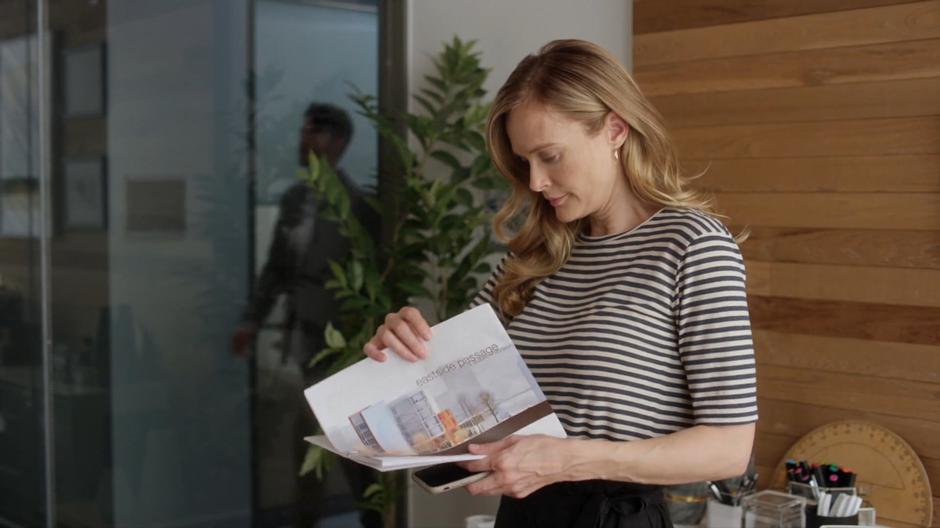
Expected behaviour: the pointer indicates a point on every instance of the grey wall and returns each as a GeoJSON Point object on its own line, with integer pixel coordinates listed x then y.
{"type": "Point", "coordinates": [506, 31]}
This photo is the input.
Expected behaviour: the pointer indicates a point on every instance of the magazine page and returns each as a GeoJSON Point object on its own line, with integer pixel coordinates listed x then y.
{"type": "Point", "coordinates": [473, 385]}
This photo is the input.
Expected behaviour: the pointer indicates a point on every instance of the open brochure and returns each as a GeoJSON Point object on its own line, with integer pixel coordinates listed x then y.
{"type": "Point", "coordinates": [473, 386]}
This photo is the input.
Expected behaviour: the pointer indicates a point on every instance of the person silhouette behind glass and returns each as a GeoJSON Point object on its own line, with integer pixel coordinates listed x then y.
{"type": "Point", "coordinates": [297, 267]}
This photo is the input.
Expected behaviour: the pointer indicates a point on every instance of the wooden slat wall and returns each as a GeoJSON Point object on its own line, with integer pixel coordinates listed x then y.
{"type": "Point", "coordinates": [819, 123]}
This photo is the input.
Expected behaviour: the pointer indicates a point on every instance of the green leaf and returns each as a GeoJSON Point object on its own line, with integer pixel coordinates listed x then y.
{"type": "Point", "coordinates": [463, 197]}
{"type": "Point", "coordinates": [427, 105]}
{"type": "Point", "coordinates": [437, 83]}
{"type": "Point", "coordinates": [376, 497]}
{"type": "Point", "coordinates": [354, 304]}
{"type": "Point", "coordinates": [450, 221]}
{"type": "Point", "coordinates": [476, 139]}
{"type": "Point", "coordinates": [355, 275]}
{"type": "Point", "coordinates": [414, 288]}
{"type": "Point", "coordinates": [331, 187]}
{"type": "Point", "coordinates": [372, 490]}
{"type": "Point", "coordinates": [484, 184]}
{"type": "Point", "coordinates": [446, 196]}
{"type": "Point", "coordinates": [374, 203]}
{"type": "Point", "coordinates": [482, 267]}
{"type": "Point", "coordinates": [312, 460]}
{"type": "Point", "coordinates": [314, 166]}
{"type": "Point", "coordinates": [385, 301]}
{"type": "Point", "coordinates": [447, 158]}
{"type": "Point", "coordinates": [339, 273]}
{"type": "Point", "coordinates": [334, 339]}
{"type": "Point", "coordinates": [480, 165]}
{"type": "Point", "coordinates": [438, 98]}
{"type": "Point", "coordinates": [323, 355]}
{"type": "Point", "coordinates": [373, 283]}
{"type": "Point", "coordinates": [343, 205]}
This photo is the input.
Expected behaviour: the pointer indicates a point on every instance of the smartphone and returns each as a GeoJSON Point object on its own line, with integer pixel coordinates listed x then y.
{"type": "Point", "coordinates": [445, 477]}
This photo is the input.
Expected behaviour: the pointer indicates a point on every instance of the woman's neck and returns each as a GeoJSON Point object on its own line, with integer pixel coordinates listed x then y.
{"type": "Point", "coordinates": [622, 213]}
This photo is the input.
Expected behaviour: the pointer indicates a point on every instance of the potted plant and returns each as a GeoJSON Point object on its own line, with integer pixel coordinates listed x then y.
{"type": "Point", "coordinates": [440, 234]}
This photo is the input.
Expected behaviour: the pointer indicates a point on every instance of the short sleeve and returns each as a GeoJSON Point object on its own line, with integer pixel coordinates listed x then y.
{"type": "Point", "coordinates": [714, 331]}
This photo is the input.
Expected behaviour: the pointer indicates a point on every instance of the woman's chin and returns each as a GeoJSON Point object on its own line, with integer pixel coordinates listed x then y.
{"type": "Point", "coordinates": [564, 215]}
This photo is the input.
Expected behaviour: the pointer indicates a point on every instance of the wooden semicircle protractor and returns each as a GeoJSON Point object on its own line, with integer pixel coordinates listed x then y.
{"type": "Point", "coordinates": [884, 462]}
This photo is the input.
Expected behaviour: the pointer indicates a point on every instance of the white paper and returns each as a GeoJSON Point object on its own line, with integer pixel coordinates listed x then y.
{"type": "Point", "coordinates": [407, 413]}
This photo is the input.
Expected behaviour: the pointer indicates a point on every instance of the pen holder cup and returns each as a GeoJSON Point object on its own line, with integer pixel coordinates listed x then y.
{"type": "Point", "coordinates": [687, 503]}
{"type": "Point", "coordinates": [722, 515]}
{"type": "Point", "coordinates": [816, 521]}
{"type": "Point", "coordinates": [806, 491]}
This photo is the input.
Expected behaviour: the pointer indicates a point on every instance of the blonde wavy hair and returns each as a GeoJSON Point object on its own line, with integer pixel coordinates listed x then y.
{"type": "Point", "coordinates": [584, 82]}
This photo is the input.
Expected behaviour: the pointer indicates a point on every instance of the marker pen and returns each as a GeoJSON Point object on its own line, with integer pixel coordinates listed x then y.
{"type": "Point", "coordinates": [820, 479]}
{"type": "Point", "coordinates": [715, 492]}
{"type": "Point", "coordinates": [850, 480]}
{"type": "Point", "coordinates": [814, 487]}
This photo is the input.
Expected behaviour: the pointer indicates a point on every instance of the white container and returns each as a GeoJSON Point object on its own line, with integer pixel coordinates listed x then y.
{"type": "Point", "coordinates": [480, 521]}
{"type": "Point", "coordinates": [721, 515]}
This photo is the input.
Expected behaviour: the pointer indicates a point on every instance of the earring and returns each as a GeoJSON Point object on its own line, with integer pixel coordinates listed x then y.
{"type": "Point", "coordinates": [617, 154]}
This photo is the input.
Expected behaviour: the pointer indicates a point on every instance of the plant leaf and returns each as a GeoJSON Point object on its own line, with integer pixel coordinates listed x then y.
{"type": "Point", "coordinates": [447, 158]}
{"type": "Point", "coordinates": [334, 339]}
{"type": "Point", "coordinates": [339, 273]}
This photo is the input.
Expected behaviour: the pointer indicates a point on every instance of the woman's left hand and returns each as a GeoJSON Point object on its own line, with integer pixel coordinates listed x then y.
{"type": "Point", "coordinates": [519, 465]}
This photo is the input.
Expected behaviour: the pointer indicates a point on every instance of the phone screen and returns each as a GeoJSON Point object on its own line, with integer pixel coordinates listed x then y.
{"type": "Point", "coordinates": [441, 474]}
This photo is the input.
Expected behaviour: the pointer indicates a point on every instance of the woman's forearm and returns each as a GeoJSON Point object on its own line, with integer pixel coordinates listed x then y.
{"type": "Point", "coordinates": [702, 452]}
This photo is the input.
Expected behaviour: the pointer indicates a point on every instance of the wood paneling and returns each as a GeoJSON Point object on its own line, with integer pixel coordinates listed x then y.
{"type": "Point", "coordinates": [903, 398]}
{"type": "Point", "coordinates": [877, 62]}
{"type": "Point", "coordinates": [869, 174]}
{"type": "Point", "coordinates": [857, 27]}
{"type": "Point", "coordinates": [834, 210]}
{"type": "Point", "coordinates": [876, 322]}
{"type": "Point", "coordinates": [882, 359]}
{"type": "Point", "coordinates": [910, 287]}
{"type": "Point", "coordinates": [863, 137]}
{"type": "Point", "coordinates": [818, 103]}
{"type": "Point", "coordinates": [852, 247]}
{"type": "Point", "coordinates": [656, 15]}
{"type": "Point", "coordinates": [796, 419]}
{"type": "Point", "coordinates": [819, 125]}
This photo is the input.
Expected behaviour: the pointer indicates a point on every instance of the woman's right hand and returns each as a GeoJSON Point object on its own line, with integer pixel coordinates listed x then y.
{"type": "Point", "coordinates": [404, 332]}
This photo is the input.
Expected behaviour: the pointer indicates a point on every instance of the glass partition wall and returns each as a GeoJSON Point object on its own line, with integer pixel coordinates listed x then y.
{"type": "Point", "coordinates": [24, 473]}
{"type": "Point", "coordinates": [156, 311]}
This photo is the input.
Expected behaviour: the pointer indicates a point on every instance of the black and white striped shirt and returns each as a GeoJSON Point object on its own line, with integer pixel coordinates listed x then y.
{"type": "Point", "coordinates": [643, 333]}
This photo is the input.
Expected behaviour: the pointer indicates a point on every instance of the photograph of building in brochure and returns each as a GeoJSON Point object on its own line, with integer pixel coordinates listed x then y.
{"type": "Point", "coordinates": [395, 414]}
{"type": "Point", "coordinates": [449, 406]}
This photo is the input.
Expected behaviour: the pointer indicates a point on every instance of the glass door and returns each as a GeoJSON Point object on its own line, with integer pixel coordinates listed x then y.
{"type": "Point", "coordinates": [23, 381]}
{"type": "Point", "coordinates": [159, 294]}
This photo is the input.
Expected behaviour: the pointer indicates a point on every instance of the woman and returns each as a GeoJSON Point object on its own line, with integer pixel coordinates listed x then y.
{"type": "Point", "coordinates": [623, 293]}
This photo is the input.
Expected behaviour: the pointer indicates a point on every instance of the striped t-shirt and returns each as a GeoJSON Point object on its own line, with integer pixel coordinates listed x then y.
{"type": "Point", "coordinates": [642, 333]}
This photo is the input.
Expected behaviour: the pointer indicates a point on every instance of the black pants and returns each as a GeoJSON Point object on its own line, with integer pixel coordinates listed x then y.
{"type": "Point", "coordinates": [587, 504]}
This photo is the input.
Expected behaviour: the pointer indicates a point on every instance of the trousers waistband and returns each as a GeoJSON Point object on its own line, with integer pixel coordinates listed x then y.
{"type": "Point", "coordinates": [611, 488]}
